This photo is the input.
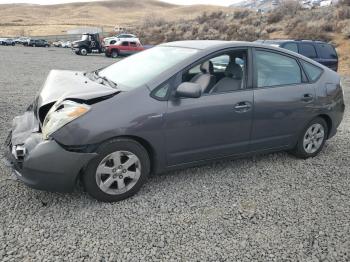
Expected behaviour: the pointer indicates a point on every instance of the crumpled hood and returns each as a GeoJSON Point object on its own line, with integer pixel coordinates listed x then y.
{"type": "Point", "coordinates": [62, 84]}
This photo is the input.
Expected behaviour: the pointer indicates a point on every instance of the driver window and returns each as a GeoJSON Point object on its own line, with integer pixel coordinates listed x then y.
{"type": "Point", "coordinates": [222, 73]}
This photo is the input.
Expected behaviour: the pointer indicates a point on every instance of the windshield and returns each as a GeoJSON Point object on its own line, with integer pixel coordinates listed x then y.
{"type": "Point", "coordinates": [84, 37]}
{"type": "Point", "coordinates": [137, 70]}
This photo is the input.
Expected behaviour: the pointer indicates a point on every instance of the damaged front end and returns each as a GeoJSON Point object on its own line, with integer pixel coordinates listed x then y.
{"type": "Point", "coordinates": [42, 163]}
{"type": "Point", "coordinates": [38, 160]}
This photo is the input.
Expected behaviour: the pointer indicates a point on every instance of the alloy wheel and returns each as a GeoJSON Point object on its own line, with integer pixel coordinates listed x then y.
{"type": "Point", "coordinates": [313, 138]}
{"type": "Point", "coordinates": [118, 172]}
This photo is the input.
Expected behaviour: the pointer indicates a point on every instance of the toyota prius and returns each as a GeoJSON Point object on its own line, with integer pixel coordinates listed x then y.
{"type": "Point", "coordinates": [176, 105]}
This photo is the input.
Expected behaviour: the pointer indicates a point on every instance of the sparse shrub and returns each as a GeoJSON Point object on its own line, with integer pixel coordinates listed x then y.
{"type": "Point", "coordinates": [310, 32]}
{"type": "Point", "coordinates": [346, 31]}
{"type": "Point", "coordinates": [292, 25]}
{"type": "Point", "coordinates": [344, 2]}
{"type": "Point", "coordinates": [274, 17]}
{"type": "Point", "coordinates": [272, 28]}
{"type": "Point", "coordinates": [287, 8]}
{"type": "Point", "coordinates": [326, 26]}
{"type": "Point", "coordinates": [240, 14]}
{"type": "Point", "coordinates": [343, 13]}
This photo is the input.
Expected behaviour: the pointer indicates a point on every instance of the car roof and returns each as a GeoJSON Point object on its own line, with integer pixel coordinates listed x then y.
{"type": "Point", "coordinates": [280, 41]}
{"type": "Point", "coordinates": [210, 45]}
{"type": "Point", "coordinates": [207, 46]}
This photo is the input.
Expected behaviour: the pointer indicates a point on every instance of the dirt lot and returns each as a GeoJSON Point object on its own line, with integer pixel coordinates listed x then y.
{"type": "Point", "coordinates": [265, 208]}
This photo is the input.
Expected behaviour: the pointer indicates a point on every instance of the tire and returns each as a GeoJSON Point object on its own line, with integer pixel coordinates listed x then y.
{"type": "Point", "coordinates": [13, 44]}
{"type": "Point", "coordinates": [312, 133]}
{"type": "Point", "coordinates": [115, 54]}
{"type": "Point", "coordinates": [118, 183]}
{"type": "Point", "coordinates": [107, 55]}
{"type": "Point", "coordinates": [83, 51]}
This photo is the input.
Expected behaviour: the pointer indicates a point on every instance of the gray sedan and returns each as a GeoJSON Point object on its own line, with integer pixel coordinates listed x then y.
{"type": "Point", "coordinates": [176, 105]}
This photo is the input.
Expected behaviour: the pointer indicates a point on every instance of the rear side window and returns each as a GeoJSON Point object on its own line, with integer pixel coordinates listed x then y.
{"type": "Point", "coordinates": [307, 50]}
{"type": "Point", "coordinates": [291, 46]}
{"type": "Point", "coordinates": [275, 69]}
{"type": "Point", "coordinates": [327, 51]}
{"type": "Point", "coordinates": [312, 71]}
{"type": "Point", "coordinates": [125, 43]}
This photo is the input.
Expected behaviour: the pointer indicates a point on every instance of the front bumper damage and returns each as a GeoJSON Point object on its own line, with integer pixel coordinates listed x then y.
{"type": "Point", "coordinates": [42, 164]}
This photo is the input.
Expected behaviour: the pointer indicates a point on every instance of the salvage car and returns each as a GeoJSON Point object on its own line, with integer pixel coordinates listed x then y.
{"type": "Point", "coordinates": [167, 108]}
{"type": "Point", "coordinates": [123, 48]}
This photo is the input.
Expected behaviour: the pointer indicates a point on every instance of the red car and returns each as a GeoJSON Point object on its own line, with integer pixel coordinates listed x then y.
{"type": "Point", "coordinates": [123, 48]}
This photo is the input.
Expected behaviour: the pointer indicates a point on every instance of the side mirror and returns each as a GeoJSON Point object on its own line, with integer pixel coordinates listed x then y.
{"type": "Point", "coordinates": [188, 89]}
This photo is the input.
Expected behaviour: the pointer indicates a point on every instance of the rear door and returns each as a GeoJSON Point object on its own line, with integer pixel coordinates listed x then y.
{"type": "Point", "coordinates": [308, 50]}
{"type": "Point", "coordinates": [283, 101]}
{"type": "Point", "coordinates": [125, 48]}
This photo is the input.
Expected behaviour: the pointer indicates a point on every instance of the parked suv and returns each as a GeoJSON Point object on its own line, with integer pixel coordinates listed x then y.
{"type": "Point", "coordinates": [38, 42]}
{"type": "Point", "coordinates": [319, 51]}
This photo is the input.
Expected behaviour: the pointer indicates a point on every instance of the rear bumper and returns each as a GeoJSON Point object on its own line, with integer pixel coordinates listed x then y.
{"type": "Point", "coordinates": [44, 164]}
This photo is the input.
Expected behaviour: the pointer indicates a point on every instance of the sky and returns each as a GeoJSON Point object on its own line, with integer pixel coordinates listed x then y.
{"type": "Point", "coordinates": [181, 2]}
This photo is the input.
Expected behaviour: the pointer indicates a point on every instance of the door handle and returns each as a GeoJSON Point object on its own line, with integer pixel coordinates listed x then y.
{"type": "Point", "coordinates": [307, 97]}
{"type": "Point", "coordinates": [242, 107]}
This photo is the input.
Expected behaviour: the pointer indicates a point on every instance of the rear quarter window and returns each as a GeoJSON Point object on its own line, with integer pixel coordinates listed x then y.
{"type": "Point", "coordinates": [313, 72]}
{"type": "Point", "coordinates": [327, 51]}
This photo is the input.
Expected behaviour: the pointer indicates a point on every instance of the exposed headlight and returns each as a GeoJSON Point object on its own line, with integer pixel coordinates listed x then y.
{"type": "Point", "coordinates": [61, 113]}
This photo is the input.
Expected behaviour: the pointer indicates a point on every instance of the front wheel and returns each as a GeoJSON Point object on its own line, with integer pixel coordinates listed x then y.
{"type": "Point", "coordinates": [118, 172]}
{"type": "Point", "coordinates": [115, 54]}
{"type": "Point", "coordinates": [83, 51]}
{"type": "Point", "coordinates": [312, 139]}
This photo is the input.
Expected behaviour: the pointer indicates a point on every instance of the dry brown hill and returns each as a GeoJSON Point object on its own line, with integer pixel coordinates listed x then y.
{"type": "Point", "coordinates": [24, 19]}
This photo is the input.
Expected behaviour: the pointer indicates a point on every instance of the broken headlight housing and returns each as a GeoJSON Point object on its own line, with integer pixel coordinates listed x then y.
{"type": "Point", "coordinates": [61, 113]}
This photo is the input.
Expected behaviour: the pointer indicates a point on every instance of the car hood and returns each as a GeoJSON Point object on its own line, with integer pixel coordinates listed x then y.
{"type": "Point", "coordinates": [61, 85]}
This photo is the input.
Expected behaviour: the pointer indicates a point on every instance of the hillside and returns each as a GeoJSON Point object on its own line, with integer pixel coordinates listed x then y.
{"type": "Point", "coordinates": [287, 21]}
{"type": "Point", "coordinates": [25, 19]}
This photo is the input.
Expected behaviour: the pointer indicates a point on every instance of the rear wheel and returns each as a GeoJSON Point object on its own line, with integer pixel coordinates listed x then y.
{"type": "Point", "coordinates": [312, 139]}
{"type": "Point", "coordinates": [118, 172]}
{"type": "Point", "coordinates": [83, 51]}
{"type": "Point", "coordinates": [115, 54]}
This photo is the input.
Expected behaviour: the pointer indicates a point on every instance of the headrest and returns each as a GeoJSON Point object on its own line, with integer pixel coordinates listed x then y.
{"type": "Point", "coordinates": [234, 71]}
{"type": "Point", "coordinates": [207, 67]}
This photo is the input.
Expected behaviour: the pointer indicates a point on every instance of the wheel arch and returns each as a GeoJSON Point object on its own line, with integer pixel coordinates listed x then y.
{"type": "Point", "coordinates": [146, 144]}
{"type": "Point", "coordinates": [329, 122]}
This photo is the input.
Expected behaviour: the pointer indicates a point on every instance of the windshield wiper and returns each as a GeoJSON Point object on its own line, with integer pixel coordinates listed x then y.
{"type": "Point", "coordinates": [110, 82]}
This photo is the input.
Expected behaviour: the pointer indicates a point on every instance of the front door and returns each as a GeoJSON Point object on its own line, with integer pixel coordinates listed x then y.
{"type": "Point", "coordinates": [219, 122]}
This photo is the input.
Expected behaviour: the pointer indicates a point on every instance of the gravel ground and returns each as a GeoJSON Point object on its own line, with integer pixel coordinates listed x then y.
{"type": "Point", "coordinates": [265, 208]}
